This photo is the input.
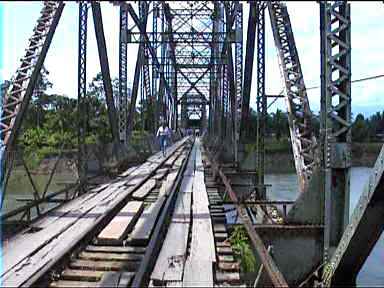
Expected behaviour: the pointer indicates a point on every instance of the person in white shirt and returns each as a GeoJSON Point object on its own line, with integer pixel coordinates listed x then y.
{"type": "Point", "coordinates": [162, 133]}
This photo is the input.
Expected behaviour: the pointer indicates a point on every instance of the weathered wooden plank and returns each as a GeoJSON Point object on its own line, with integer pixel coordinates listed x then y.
{"type": "Point", "coordinates": [200, 195]}
{"type": "Point", "coordinates": [20, 247]}
{"type": "Point", "coordinates": [160, 173]}
{"type": "Point", "coordinates": [128, 172]}
{"type": "Point", "coordinates": [144, 190]}
{"type": "Point", "coordinates": [34, 253]}
{"type": "Point", "coordinates": [232, 278]}
{"type": "Point", "coordinates": [66, 283]}
{"type": "Point", "coordinates": [144, 226]}
{"type": "Point", "coordinates": [174, 284]}
{"type": "Point", "coordinates": [115, 249]}
{"type": "Point", "coordinates": [167, 184]}
{"type": "Point", "coordinates": [198, 268]}
{"type": "Point", "coordinates": [81, 275]}
{"type": "Point", "coordinates": [56, 247]}
{"type": "Point", "coordinates": [122, 223]}
{"type": "Point", "coordinates": [182, 211]}
{"type": "Point", "coordinates": [104, 265]}
{"type": "Point", "coordinates": [170, 262]}
{"type": "Point", "coordinates": [186, 184]}
{"type": "Point", "coordinates": [198, 273]}
{"type": "Point", "coordinates": [110, 256]}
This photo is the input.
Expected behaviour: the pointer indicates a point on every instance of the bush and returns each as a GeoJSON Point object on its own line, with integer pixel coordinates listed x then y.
{"type": "Point", "coordinates": [240, 244]}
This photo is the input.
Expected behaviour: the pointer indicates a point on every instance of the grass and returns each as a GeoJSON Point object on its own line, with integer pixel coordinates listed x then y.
{"type": "Point", "coordinates": [243, 252]}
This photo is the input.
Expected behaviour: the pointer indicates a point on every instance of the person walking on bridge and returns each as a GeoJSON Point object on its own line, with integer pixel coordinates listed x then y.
{"type": "Point", "coordinates": [163, 133]}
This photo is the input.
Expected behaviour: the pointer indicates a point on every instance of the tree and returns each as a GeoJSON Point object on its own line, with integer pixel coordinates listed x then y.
{"type": "Point", "coordinates": [360, 131]}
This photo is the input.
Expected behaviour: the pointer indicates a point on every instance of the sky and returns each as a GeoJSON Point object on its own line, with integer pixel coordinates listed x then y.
{"type": "Point", "coordinates": [367, 37]}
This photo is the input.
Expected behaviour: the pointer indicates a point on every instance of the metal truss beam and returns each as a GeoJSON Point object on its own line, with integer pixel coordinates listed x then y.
{"type": "Point", "coordinates": [151, 49]}
{"type": "Point", "coordinates": [299, 114]}
{"type": "Point", "coordinates": [123, 96]}
{"type": "Point", "coordinates": [270, 266]}
{"type": "Point", "coordinates": [261, 98]}
{"type": "Point", "coordinates": [82, 93]}
{"type": "Point", "coordinates": [336, 119]}
{"type": "Point", "coordinates": [136, 78]}
{"type": "Point", "coordinates": [248, 69]}
{"type": "Point", "coordinates": [16, 99]}
{"type": "Point", "coordinates": [103, 57]}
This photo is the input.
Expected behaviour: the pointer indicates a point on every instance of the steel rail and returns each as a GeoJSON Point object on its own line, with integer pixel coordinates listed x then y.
{"type": "Point", "coordinates": [99, 223]}
{"type": "Point", "coordinates": [154, 245]}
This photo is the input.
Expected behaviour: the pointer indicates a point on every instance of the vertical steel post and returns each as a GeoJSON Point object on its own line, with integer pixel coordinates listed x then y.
{"type": "Point", "coordinates": [238, 74]}
{"type": "Point", "coordinates": [261, 99]}
{"type": "Point", "coordinates": [123, 101]}
{"type": "Point", "coordinates": [336, 113]}
{"type": "Point", "coordinates": [82, 94]}
{"type": "Point", "coordinates": [156, 11]}
{"type": "Point", "coordinates": [248, 68]}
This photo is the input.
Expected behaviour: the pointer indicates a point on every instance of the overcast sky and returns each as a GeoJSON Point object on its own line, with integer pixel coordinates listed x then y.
{"type": "Point", "coordinates": [367, 37]}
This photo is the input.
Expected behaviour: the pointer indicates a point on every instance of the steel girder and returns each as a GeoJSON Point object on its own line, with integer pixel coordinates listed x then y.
{"type": "Point", "coordinates": [299, 114]}
{"type": "Point", "coordinates": [82, 93]}
{"type": "Point", "coordinates": [346, 245]}
{"type": "Point", "coordinates": [191, 54]}
{"type": "Point", "coordinates": [103, 57]}
{"type": "Point", "coordinates": [123, 96]}
{"type": "Point", "coordinates": [136, 79]}
{"type": "Point", "coordinates": [16, 99]}
{"type": "Point", "coordinates": [155, 41]}
{"type": "Point", "coordinates": [184, 37]}
{"type": "Point", "coordinates": [155, 60]}
{"type": "Point", "coordinates": [336, 118]}
{"type": "Point", "coordinates": [248, 67]}
{"type": "Point", "coordinates": [261, 98]}
{"type": "Point", "coordinates": [238, 81]}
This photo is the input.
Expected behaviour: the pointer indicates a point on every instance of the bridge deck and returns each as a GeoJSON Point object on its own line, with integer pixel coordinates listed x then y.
{"type": "Point", "coordinates": [32, 251]}
{"type": "Point", "coordinates": [108, 232]}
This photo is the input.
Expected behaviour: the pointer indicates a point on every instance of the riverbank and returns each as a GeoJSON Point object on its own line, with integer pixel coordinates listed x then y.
{"type": "Point", "coordinates": [279, 157]}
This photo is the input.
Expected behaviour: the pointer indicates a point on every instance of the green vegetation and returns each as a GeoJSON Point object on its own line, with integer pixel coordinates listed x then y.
{"type": "Point", "coordinates": [370, 129]}
{"type": "Point", "coordinates": [363, 129]}
{"type": "Point", "coordinates": [51, 124]}
{"type": "Point", "coordinates": [243, 252]}
{"type": "Point", "coordinates": [51, 121]}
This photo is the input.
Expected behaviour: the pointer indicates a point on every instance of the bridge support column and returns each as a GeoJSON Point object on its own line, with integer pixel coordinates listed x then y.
{"type": "Point", "coordinates": [336, 119]}
{"type": "Point", "coordinates": [82, 94]}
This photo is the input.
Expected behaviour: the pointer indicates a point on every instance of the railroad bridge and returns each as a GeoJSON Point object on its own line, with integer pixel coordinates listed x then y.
{"type": "Point", "coordinates": [163, 222]}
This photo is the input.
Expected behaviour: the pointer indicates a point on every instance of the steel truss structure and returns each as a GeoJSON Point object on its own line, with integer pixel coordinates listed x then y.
{"type": "Point", "coordinates": [189, 68]}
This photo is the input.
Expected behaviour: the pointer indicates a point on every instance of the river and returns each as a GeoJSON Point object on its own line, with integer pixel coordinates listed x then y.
{"type": "Point", "coordinates": [284, 187]}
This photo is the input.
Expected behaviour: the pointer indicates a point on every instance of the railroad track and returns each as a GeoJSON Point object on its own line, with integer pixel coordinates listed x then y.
{"type": "Point", "coordinates": [113, 248]}
{"type": "Point", "coordinates": [112, 258]}
{"type": "Point", "coordinates": [124, 249]}
{"type": "Point", "coordinates": [201, 254]}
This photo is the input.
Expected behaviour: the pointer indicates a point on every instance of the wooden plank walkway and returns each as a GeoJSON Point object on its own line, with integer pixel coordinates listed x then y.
{"type": "Point", "coordinates": [144, 226]}
{"type": "Point", "coordinates": [121, 224]}
{"type": "Point", "coordinates": [29, 254]}
{"type": "Point", "coordinates": [174, 267]}
{"type": "Point", "coordinates": [199, 266]}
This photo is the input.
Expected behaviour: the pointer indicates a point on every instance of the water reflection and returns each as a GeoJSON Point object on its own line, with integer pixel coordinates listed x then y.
{"type": "Point", "coordinates": [285, 187]}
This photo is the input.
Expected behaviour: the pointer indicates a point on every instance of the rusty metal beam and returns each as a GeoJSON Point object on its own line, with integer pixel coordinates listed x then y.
{"type": "Point", "coordinates": [151, 50]}
{"type": "Point", "coordinates": [270, 266]}
{"type": "Point", "coordinates": [248, 68]}
{"type": "Point", "coordinates": [360, 236]}
{"type": "Point", "coordinates": [103, 57]}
